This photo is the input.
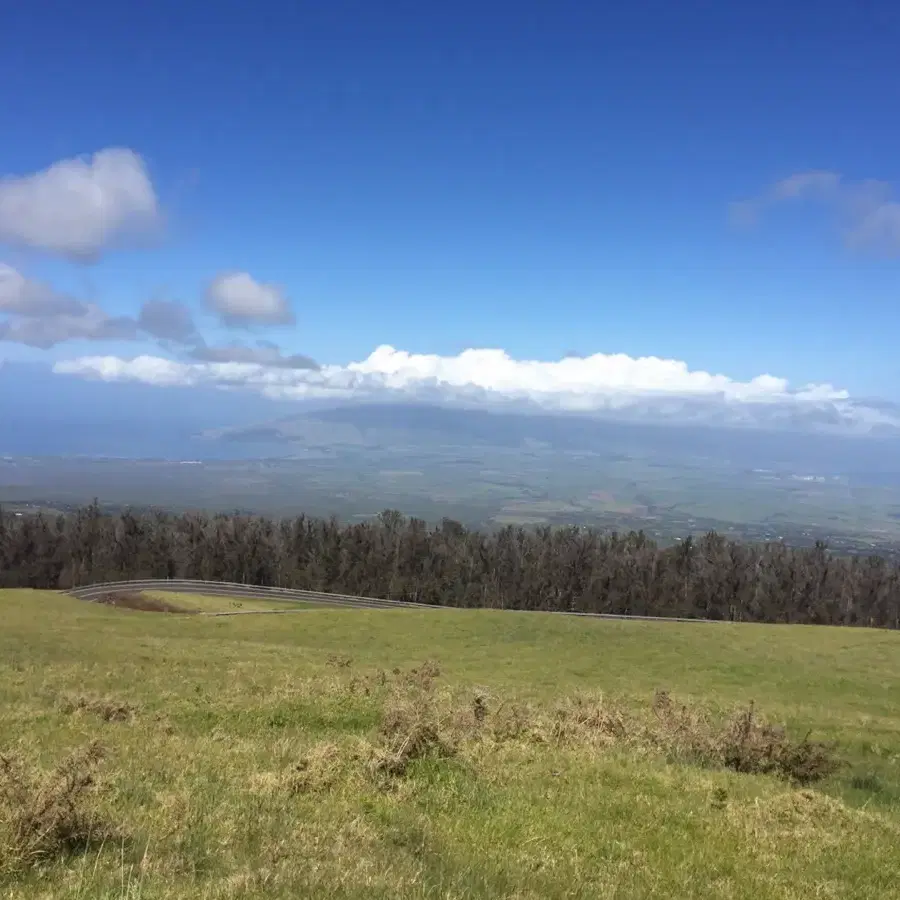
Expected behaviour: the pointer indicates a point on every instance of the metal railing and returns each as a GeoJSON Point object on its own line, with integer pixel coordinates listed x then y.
{"type": "Point", "coordinates": [238, 591]}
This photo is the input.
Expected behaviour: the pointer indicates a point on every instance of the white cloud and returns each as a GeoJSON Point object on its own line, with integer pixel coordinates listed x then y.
{"type": "Point", "coordinates": [869, 218]}
{"type": "Point", "coordinates": [646, 387]}
{"type": "Point", "coordinates": [239, 301]}
{"type": "Point", "coordinates": [79, 207]}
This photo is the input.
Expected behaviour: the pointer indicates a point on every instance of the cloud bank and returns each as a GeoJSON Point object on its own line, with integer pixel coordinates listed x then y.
{"type": "Point", "coordinates": [648, 388]}
{"type": "Point", "coordinates": [868, 216]}
{"type": "Point", "coordinates": [264, 353]}
{"type": "Point", "coordinates": [78, 208]}
{"type": "Point", "coordinates": [93, 325]}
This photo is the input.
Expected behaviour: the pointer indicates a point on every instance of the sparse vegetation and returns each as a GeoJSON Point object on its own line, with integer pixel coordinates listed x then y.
{"type": "Point", "coordinates": [106, 708]}
{"type": "Point", "coordinates": [47, 816]}
{"type": "Point", "coordinates": [744, 743]}
{"type": "Point", "coordinates": [527, 756]}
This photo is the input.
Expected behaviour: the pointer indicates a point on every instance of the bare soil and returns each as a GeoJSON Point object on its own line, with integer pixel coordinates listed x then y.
{"type": "Point", "coordinates": [142, 602]}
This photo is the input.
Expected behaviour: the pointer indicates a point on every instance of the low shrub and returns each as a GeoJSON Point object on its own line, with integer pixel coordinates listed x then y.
{"type": "Point", "coordinates": [46, 815]}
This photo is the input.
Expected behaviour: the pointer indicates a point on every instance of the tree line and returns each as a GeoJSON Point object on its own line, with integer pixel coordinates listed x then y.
{"type": "Point", "coordinates": [571, 569]}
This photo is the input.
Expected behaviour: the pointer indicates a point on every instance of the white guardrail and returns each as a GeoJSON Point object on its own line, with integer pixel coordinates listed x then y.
{"type": "Point", "coordinates": [94, 592]}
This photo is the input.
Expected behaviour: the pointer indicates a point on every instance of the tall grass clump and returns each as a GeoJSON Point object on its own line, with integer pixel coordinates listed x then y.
{"type": "Point", "coordinates": [49, 815]}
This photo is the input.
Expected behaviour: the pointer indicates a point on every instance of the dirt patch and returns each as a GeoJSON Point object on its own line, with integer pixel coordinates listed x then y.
{"type": "Point", "coordinates": [138, 601]}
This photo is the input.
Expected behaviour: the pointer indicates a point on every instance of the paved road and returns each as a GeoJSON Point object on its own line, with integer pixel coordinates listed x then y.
{"type": "Point", "coordinates": [286, 595]}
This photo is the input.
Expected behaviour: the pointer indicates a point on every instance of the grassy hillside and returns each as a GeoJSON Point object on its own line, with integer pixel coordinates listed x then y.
{"type": "Point", "coordinates": [355, 753]}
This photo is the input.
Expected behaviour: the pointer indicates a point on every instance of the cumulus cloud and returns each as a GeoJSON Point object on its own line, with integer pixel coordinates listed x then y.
{"type": "Point", "coordinates": [23, 296]}
{"type": "Point", "coordinates": [241, 301]}
{"type": "Point", "coordinates": [606, 384]}
{"type": "Point", "coordinates": [168, 320]}
{"type": "Point", "coordinates": [79, 207]}
{"type": "Point", "coordinates": [869, 217]}
{"type": "Point", "coordinates": [39, 316]}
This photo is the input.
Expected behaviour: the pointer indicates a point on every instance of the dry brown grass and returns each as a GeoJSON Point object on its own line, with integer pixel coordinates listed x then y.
{"type": "Point", "coordinates": [589, 718]}
{"type": "Point", "coordinates": [47, 815]}
{"type": "Point", "coordinates": [108, 709]}
{"type": "Point", "coordinates": [141, 602]}
{"type": "Point", "coordinates": [319, 769]}
{"type": "Point", "coordinates": [744, 743]}
{"type": "Point", "coordinates": [418, 721]}
{"type": "Point", "coordinates": [339, 661]}
{"type": "Point", "coordinates": [415, 724]}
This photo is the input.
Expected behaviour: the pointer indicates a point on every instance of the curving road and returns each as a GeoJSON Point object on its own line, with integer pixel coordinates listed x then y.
{"type": "Point", "coordinates": [96, 592]}
{"type": "Point", "coordinates": [240, 592]}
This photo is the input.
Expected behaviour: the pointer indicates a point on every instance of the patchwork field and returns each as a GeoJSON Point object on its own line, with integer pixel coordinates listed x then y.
{"type": "Point", "coordinates": [402, 754]}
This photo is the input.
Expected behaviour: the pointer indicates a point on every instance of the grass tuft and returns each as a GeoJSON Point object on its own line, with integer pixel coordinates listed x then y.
{"type": "Point", "coordinates": [339, 661]}
{"type": "Point", "coordinates": [415, 724]}
{"type": "Point", "coordinates": [108, 709]}
{"type": "Point", "coordinates": [744, 743]}
{"type": "Point", "coordinates": [586, 719]}
{"type": "Point", "coordinates": [319, 769]}
{"type": "Point", "coordinates": [48, 815]}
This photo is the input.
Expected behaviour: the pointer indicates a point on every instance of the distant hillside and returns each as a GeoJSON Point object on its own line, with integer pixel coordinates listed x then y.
{"type": "Point", "coordinates": [425, 427]}
{"type": "Point", "coordinates": [71, 417]}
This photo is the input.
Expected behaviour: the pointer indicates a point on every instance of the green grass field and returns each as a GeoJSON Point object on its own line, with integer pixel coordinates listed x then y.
{"type": "Point", "coordinates": [315, 756]}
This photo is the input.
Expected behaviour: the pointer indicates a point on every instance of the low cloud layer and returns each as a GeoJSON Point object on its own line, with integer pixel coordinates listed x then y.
{"type": "Point", "coordinates": [240, 301]}
{"type": "Point", "coordinates": [21, 296]}
{"type": "Point", "coordinates": [866, 213]}
{"type": "Point", "coordinates": [39, 316]}
{"type": "Point", "coordinates": [263, 353]}
{"type": "Point", "coordinates": [93, 324]}
{"type": "Point", "coordinates": [646, 387]}
{"type": "Point", "coordinates": [78, 208]}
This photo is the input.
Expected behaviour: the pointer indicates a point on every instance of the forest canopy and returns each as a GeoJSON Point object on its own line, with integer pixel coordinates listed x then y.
{"type": "Point", "coordinates": [569, 569]}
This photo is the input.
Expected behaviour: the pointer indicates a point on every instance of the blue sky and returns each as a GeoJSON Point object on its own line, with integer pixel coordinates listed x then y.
{"type": "Point", "coordinates": [541, 178]}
